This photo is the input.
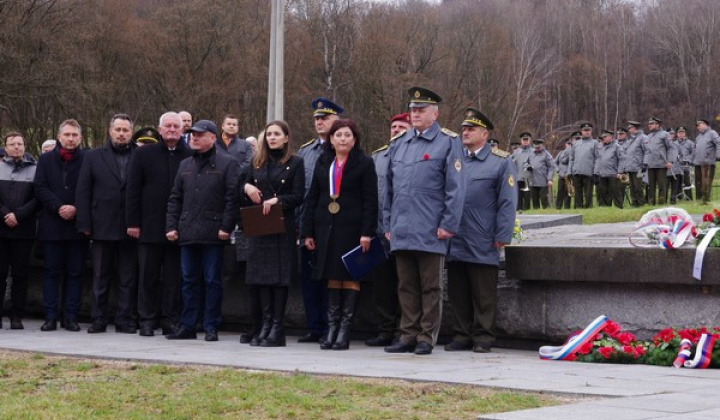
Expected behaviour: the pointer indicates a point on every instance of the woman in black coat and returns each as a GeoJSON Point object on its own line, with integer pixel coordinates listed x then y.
{"type": "Point", "coordinates": [341, 213]}
{"type": "Point", "coordinates": [276, 177]}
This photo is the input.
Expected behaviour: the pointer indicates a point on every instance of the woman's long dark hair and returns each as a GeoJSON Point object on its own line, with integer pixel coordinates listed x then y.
{"type": "Point", "coordinates": [263, 150]}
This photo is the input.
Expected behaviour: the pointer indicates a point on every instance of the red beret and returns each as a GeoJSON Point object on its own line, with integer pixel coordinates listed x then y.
{"type": "Point", "coordinates": [401, 117]}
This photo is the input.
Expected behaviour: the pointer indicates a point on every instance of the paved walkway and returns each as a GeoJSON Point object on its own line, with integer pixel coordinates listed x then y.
{"type": "Point", "coordinates": [624, 392]}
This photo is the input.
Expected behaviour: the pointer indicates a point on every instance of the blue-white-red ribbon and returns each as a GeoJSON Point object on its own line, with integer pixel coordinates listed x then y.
{"type": "Point", "coordinates": [335, 178]}
{"type": "Point", "coordinates": [575, 342]}
{"type": "Point", "coordinates": [703, 353]}
{"type": "Point", "coordinates": [683, 354]}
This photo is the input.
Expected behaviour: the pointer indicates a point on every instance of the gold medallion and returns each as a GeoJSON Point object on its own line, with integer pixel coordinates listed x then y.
{"type": "Point", "coordinates": [511, 181]}
{"type": "Point", "coordinates": [334, 207]}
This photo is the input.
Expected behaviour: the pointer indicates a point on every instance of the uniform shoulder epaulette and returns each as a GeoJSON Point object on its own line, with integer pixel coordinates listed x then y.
{"type": "Point", "coordinates": [501, 153]}
{"type": "Point", "coordinates": [381, 149]}
{"type": "Point", "coordinates": [308, 143]}
{"type": "Point", "coordinates": [449, 132]}
{"type": "Point", "coordinates": [398, 135]}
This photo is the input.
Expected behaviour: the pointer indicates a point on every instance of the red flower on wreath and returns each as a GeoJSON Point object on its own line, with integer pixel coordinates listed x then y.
{"type": "Point", "coordinates": [426, 156]}
{"type": "Point", "coordinates": [716, 212]}
{"type": "Point", "coordinates": [612, 329]}
{"type": "Point", "coordinates": [639, 350]}
{"type": "Point", "coordinates": [571, 357]}
{"type": "Point", "coordinates": [586, 348]}
{"type": "Point", "coordinates": [664, 336]}
{"type": "Point", "coordinates": [605, 351]}
{"type": "Point", "coordinates": [625, 338]}
{"type": "Point", "coordinates": [707, 217]}
{"type": "Point", "coordinates": [690, 334]}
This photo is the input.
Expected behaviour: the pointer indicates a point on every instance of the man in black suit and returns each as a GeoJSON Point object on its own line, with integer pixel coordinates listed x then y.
{"type": "Point", "coordinates": [150, 180]}
{"type": "Point", "coordinates": [100, 200]}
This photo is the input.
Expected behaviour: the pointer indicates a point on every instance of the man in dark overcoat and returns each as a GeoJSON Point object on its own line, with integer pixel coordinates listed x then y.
{"type": "Point", "coordinates": [101, 217]}
{"type": "Point", "coordinates": [151, 178]}
{"type": "Point", "coordinates": [63, 249]}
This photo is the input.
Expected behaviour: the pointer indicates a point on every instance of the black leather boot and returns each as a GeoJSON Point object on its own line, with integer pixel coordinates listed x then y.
{"type": "Point", "coordinates": [349, 298]}
{"type": "Point", "coordinates": [266, 307]}
{"type": "Point", "coordinates": [276, 337]}
{"type": "Point", "coordinates": [255, 316]}
{"type": "Point", "coordinates": [333, 315]}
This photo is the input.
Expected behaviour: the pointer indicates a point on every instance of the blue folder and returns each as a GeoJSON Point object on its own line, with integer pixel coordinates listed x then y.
{"type": "Point", "coordinates": [360, 264]}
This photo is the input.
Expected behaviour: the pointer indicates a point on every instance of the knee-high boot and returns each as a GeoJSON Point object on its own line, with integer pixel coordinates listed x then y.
{"type": "Point", "coordinates": [266, 307]}
{"type": "Point", "coordinates": [255, 315]}
{"type": "Point", "coordinates": [349, 298]}
{"type": "Point", "coordinates": [276, 337]}
{"type": "Point", "coordinates": [333, 314]}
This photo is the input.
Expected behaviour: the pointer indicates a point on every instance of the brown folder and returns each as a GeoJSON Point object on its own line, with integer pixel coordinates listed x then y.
{"type": "Point", "coordinates": [257, 224]}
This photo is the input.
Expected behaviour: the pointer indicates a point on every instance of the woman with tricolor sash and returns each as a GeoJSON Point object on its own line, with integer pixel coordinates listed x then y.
{"type": "Point", "coordinates": [341, 213]}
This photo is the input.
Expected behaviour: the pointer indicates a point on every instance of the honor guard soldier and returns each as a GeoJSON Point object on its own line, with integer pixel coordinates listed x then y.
{"type": "Point", "coordinates": [658, 155]}
{"type": "Point", "coordinates": [486, 226]}
{"type": "Point", "coordinates": [521, 157]}
{"type": "Point", "coordinates": [707, 152]}
{"type": "Point", "coordinates": [423, 204]}
{"type": "Point", "coordinates": [542, 169]}
{"type": "Point", "coordinates": [493, 143]}
{"type": "Point", "coordinates": [582, 166]}
{"type": "Point", "coordinates": [385, 275]}
{"type": "Point", "coordinates": [562, 161]}
{"type": "Point", "coordinates": [634, 162]}
{"type": "Point", "coordinates": [314, 292]}
{"type": "Point", "coordinates": [686, 150]}
{"type": "Point", "coordinates": [609, 167]}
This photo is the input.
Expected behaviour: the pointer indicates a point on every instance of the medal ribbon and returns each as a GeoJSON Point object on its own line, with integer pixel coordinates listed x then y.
{"type": "Point", "coordinates": [336, 172]}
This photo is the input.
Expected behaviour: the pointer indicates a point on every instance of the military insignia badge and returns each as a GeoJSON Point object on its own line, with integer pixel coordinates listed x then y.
{"type": "Point", "coordinates": [458, 165]}
{"type": "Point", "coordinates": [319, 105]}
{"type": "Point", "coordinates": [511, 181]}
{"type": "Point", "coordinates": [417, 94]}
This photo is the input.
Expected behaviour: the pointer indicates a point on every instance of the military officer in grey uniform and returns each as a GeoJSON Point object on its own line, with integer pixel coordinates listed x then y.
{"type": "Point", "coordinates": [686, 150]}
{"type": "Point", "coordinates": [562, 162]}
{"type": "Point", "coordinates": [314, 291]}
{"type": "Point", "coordinates": [675, 174]}
{"type": "Point", "coordinates": [658, 155]}
{"type": "Point", "coordinates": [424, 195]}
{"type": "Point", "coordinates": [542, 169]}
{"type": "Point", "coordinates": [385, 280]}
{"type": "Point", "coordinates": [707, 152]}
{"type": "Point", "coordinates": [609, 167]}
{"type": "Point", "coordinates": [634, 162]}
{"type": "Point", "coordinates": [487, 225]}
{"type": "Point", "coordinates": [582, 166]}
{"type": "Point", "coordinates": [521, 157]}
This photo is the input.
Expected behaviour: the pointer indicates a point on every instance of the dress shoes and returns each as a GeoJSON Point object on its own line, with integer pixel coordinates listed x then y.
{"type": "Point", "coordinates": [147, 331]}
{"type": "Point", "coordinates": [97, 327]}
{"type": "Point", "coordinates": [246, 338]}
{"type": "Point", "coordinates": [211, 334]}
{"type": "Point", "coordinates": [423, 347]}
{"type": "Point", "coordinates": [168, 329]}
{"type": "Point", "coordinates": [482, 348]}
{"type": "Point", "coordinates": [379, 341]}
{"type": "Point", "coordinates": [16, 324]}
{"type": "Point", "coordinates": [49, 325]}
{"type": "Point", "coordinates": [310, 337]}
{"type": "Point", "coordinates": [125, 329]}
{"type": "Point", "coordinates": [182, 334]}
{"type": "Point", "coordinates": [71, 325]}
{"type": "Point", "coordinates": [458, 346]}
{"type": "Point", "coordinates": [400, 347]}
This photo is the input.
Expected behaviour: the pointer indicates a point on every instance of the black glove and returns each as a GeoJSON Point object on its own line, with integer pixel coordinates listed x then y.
{"type": "Point", "coordinates": [596, 179]}
{"type": "Point", "coordinates": [644, 167]}
{"type": "Point", "coordinates": [529, 168]}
